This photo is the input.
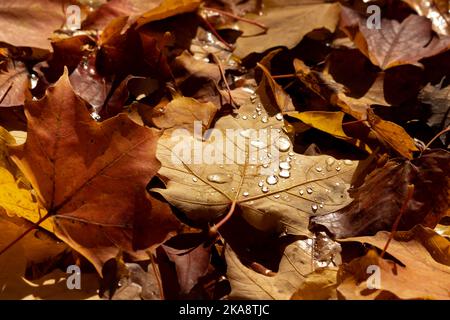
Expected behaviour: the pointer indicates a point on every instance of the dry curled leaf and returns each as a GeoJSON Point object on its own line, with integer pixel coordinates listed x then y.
{"type": "Point", "coordinates": [394, 43]}
{"type": "Point", "coordinates": [424, 272]}
{"type": "Point", "coordinates": [378, 201]}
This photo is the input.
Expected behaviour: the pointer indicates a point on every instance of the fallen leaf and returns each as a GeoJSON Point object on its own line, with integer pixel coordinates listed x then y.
{"type": "Point", "coordinates": [395, 43]}
{"type": "Point", "coordinates": [435, 10]}
{"type": "Point", "coordinates": [236, 164]}
{"type": "Point", "coordinates": [282, 99]}
{"type": "Point", "coordinates": [181, 112]}
{"type": "Point", "coordinates": [423, 274]}
{"type": "Point", "coordinates": [281, 29]}
{"type": "Point", "coordinates": [318, 285]}
{"type": "Point", "coordinates": [91, 210]}
{"type": "Point", "coordinates": [31, 23]}
{"type": "Point", "coordinates": [327, 88]}
{"type": "Point", "coordinates": [250, 285]}
{"type": "Point", "coordinates": [14, 83]}
{"type": "Point", "coordinates": [166, 9]}
{"type": "Point", "coordinates": [113, 9]}
{"type": "Point", "coordinates": [439, 99]}
{"type": "Point", "coordinates": [378, 201]}
{"type": "Point", "coordinates": [191, 264]}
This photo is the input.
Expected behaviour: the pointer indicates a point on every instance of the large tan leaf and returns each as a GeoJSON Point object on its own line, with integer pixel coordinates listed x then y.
{"type": "Point", "coordinates": [394, 43]}
{"type": "Point", "coordinates": [30, 23]}
{"type": "Point", "coordinates": [91, 177]}
{"type": "Point", "coordinates": [238, 170]}
{"type": "Point", "coordinates": [287, 26]}
{"type": "Point", "coordinates": [425, 273]}
{"type": "Point", "coordinates": [248, 284]}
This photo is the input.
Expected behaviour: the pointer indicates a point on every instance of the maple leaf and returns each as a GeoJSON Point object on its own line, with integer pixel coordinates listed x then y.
{"type": "Point", "coordinates": [19, 22]}
{"type": "Point", "coordinates": [394, 43]}
{"type": "Point", "coordinates": [327, 88]}
{"type": "Point", "coordinates": [103, 208]}
{"type": "Point", "coordinates": [294, 266]}
{"type": "Point", "coordinates": [424, 272]}
{"type": "Point", "coordinates": [14, 83]}
{"type": "Point", "coordinates": [282, 31]}
{"type": "Point", "coordinates": [378, 201]}
{"type": "Point", "coordinates": [273, 194]}
{"type": "Point", "coordinates": [435, 10]}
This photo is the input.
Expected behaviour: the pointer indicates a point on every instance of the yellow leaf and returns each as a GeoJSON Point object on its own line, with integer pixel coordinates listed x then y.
{"type": "Point", "coordinates": [329, 122]}
{"type": "Point", "coordinates": [13, 199]}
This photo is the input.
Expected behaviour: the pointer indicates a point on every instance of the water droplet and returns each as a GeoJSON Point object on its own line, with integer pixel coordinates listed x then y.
{"type": "Point", "coordinates": [244, 117]}
{"type": "Point", "coordinates": [301, 192]}
{"type": "Point", "coordinates": [194, 179]}
{"type": "Point", "coordinates": [314, 207]}
{"type": "Point", "coordinates": [283, 144]}
{"type": "Point", "coordinates": [271, 180]}
{"type": "Point", "coordinates": [259, 112]}
{"type": "Point", "coordinates": [338, 169]}
{"type": "Point", "coordinates": [291, 154]}
{"type": "Point", "coordinates": [253, 98]}
{"type": "Point", "coordinates": [265, 165]}
{"type": "Point", "coordinates": [321, 205]}
{"type": "Point", "coordinates": [233, 189]}
{"type": "Point", "coordinates": [319, 169]}
{"type": "Point", "coordinates": [337, 184]}
{"type": "Point", "coordinates": [218, 178]}
{"type": "Point", "coordinates": [330, 161]}
{"type": "Point", "coordinates": [264, 119]}
{"type": "Point", "coordinates": [257, 144]}
{"type": "Point", "coordinates": [259, 105]}
{"type": "Point", "coordinates": [348, 162]}
{"type": "Point", "coordinates": [265, 189]}
{"type": "Point", "coordinates": [285, 165]}
{"type": "Point", "coordinates": [279, 116]}
{"type": "Point", "coordinates": [245, 194]}
{"type": "Point", "coordinates": [309, 190]}
{"type": "Point", "coordinates": [254, 116]}
{"type": "Point", "coordinates": [276, 196]}
{"type": "Point", "coordinates": [285, 173]}
{"type": "Point", "coordinates": [260, 184]}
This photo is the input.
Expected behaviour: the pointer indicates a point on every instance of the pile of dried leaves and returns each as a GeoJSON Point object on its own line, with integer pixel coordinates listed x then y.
{"type": "Point", "coordinates": [86, 149]}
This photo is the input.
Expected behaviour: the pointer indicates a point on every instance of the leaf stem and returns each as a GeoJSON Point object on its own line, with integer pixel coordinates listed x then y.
{"type": "Point", "coordinates": [231, 15]}
{"type": "Point", "coordinates": [409, 195]}
{"type": "Point", "coordinates": [437, 136]}
{"type": "Point", "coordinates": [25, 233]}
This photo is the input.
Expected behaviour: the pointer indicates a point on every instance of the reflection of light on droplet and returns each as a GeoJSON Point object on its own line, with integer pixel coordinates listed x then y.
{"type": "Point", "coordinates": [319, 169]}
{"type": "Point", "coordinates": [264, 119]}
{"type": "Point", "coordinates": [276, 196]}
{"type": "Point", "coordinates": [265, 189]}
{"type": "Point", "coordinates": [244, 117]}
{"type": "Point", "coordinates": [348, 162]}
{"type": "Point", "coordinates": [301, 192]}
{"type": "Point", "coordinates": [194, 179]}
{"type": "Point", "coordinates": [219, 178]}
{"type": "Point", "coordinates": [309, 190]}
{"type": "Point", "coordinates": [271, 180]}
{"type": "Point", "coordinates": [279, 116]}
{"type": "Point", "coordinates": [245, 194]}
{"type": "Point", "coordinates": [314, 207]}
{"type": "Point", "coordinates": [284, 173]}
{"type": "Point", "coordinates": [285, 165]}
{"type": "Point", "coordinates": [283, 144]}
{"type": "Point", "coordinates": [338, 169]}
